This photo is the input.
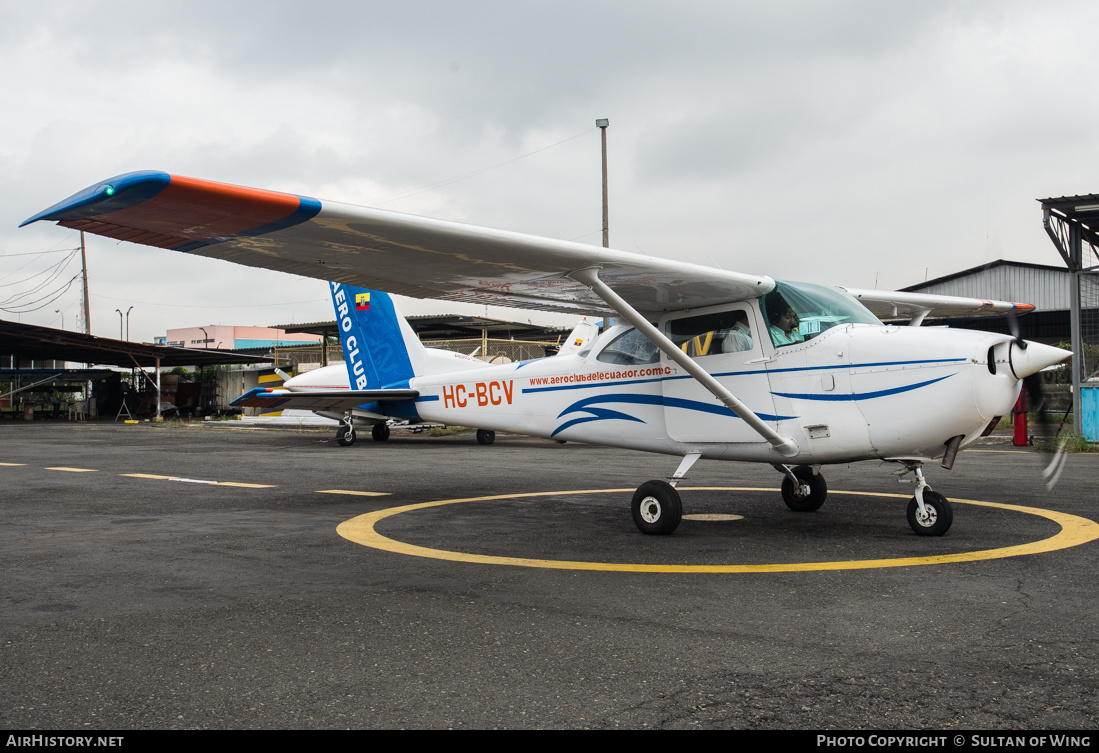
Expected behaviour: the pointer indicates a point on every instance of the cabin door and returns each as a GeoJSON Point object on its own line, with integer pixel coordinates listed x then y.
{"type": "Point", "coordinates": [724, 341]}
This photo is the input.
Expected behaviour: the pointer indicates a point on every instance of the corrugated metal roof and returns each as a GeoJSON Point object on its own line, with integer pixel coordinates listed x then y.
{"type": "Point", "coordinates": [31, 342]}
{"type": "Point", "coordinates": [1046, 287]}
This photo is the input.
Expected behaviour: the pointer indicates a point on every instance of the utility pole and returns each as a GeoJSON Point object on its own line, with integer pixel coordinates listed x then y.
{"type": "Point", "coordinates": [602, 124]}
{"type": "Point", "coordinates": [87, 304]}
{"type": "Point", "coordinates": [89, 403]}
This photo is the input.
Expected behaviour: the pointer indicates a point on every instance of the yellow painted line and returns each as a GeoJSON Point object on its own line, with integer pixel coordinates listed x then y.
{"type": "Point", "coordinates": [145, 475]}
{"type": "Point", "coordinates": [245, 486]}
{"type": "Point", "coordinates": [1074, 531]}
{"type": "Point", "coordinates": [72, 470]}
{"type": "Point", "coordinates": [12, 464]}
{"type": "Point", "coordinates": [354, 493]}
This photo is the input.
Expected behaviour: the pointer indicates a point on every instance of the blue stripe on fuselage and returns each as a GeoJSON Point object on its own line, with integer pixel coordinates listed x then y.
{"type": "Point", "coordinates": [859, 395]}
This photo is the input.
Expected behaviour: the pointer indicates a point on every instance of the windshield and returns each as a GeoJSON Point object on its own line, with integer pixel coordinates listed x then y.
{"type": "Point", "coordinates": [798, 311]}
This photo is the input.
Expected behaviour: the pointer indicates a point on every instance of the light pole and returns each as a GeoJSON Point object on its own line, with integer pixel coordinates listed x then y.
{"type": "Point", "coordinates": [119, 312]}
{"type": "Point", "coordinates": [205, 338]}
{"type": "Point", "coordinates": [602, 124]}
{"type": "Point", "coordinates": [59, 311]}
{"type": "Point", "coordinates": [128, 323]}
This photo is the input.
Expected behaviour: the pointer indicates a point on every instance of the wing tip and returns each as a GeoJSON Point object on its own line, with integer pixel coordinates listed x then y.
{"type": "Point", "coordinates": [109, 195]}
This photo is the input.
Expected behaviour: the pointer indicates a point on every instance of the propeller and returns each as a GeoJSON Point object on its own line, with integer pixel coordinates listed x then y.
{"type": "Point", "coordinates": [1013, 325]}
{"type": "Point", "coordinates": [1031, 365]}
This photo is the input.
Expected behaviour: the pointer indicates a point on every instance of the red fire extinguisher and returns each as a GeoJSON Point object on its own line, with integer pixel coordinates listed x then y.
{"type": "Point", "coordinates": [1018, 419]}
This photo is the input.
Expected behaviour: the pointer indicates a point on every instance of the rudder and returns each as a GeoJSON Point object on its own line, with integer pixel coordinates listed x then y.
{"type": "Point", "coordinates": [375, 345]}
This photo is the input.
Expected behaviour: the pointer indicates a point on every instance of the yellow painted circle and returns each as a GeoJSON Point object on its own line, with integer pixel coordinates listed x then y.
{"type": "Point", "coordinates": [1074, 531]}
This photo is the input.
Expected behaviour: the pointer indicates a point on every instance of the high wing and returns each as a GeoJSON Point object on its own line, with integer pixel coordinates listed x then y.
{"type": "Point", "coordinates": [318, 400]}
{"type": "Point", "coordinates": [888, 304]}
{"type": "Point", "coordinates": [399, 253]}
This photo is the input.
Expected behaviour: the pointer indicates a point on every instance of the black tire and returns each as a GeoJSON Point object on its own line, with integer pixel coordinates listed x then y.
{"type": "Point", "coordinates": [484, 436]}
{"type": "Point", "coordinates": [657, 508]}
{"type": "Point", "coordinates": [818, 490]}
{"type": "Point", "coordinates": [939, 515]}
{"type": "Point", "coordinates": [345, 436]}
{"type": "Point", "coordinates": [380, 432]}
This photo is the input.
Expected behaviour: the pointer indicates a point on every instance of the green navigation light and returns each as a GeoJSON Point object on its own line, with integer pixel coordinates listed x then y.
{"type": "Point", "coordinates": [109, 190]}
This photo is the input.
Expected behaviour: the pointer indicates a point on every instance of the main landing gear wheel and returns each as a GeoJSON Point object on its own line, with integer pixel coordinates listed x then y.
{"type": "Point", "coordinates": [484, 436]}
{"type": "Point", "coordinates": [937, 517]}
{"type": "Point", "coordinates": [794, 497]}
{"type": "Point", "coordinates": [657, 508]}
{"type": "Point", "coordinates": [345, 435]}
{"type": "Point", "coordinates": [380, 432]}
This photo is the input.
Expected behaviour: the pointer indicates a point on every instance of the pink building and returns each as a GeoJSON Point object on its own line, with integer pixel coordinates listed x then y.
{"type": "Point", "coordinates": [225, 337]}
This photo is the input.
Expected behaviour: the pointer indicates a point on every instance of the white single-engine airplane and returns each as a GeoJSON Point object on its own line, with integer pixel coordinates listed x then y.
{"type": "Point", "coordinates": [709, 364]}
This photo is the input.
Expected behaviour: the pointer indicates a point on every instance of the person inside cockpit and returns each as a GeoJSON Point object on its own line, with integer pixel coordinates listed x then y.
{"type": "Point", "coordinates": [783, 321]}
{"type": "Point", "coordinates": [739, 336]}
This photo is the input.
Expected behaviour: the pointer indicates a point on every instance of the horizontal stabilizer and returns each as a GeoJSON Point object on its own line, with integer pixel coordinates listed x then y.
{"type": "Point", "coordinates": [319, 400]}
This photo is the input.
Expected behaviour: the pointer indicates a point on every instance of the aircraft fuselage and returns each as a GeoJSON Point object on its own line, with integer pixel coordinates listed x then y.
{"type": "Point", "coordinates": [855, 392]}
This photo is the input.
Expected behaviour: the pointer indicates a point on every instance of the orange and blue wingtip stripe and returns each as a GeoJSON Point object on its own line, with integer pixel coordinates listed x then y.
{"type": "Point", "coordinates": [175, 212]}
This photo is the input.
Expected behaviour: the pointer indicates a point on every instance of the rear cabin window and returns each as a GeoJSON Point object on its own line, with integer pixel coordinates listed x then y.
{"type": "Point", "coordinates": [711, 334]}
{"type": "Point", "coordinates": [630, 348]}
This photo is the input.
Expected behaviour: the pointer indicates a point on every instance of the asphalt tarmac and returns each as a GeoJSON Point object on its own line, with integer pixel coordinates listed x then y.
{"type": "Point", "coordinates": [137, 595]}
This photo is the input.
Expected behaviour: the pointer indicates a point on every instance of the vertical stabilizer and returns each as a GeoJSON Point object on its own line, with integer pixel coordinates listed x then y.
{"type": "Point", "coordinates": [581, 337]}
{"type": "Point", "coordinates": [379, 347]}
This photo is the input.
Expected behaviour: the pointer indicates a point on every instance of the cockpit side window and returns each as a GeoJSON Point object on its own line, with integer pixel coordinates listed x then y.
{"type": "Point", "coordinates": [712, 334]}
{"type": "Point", "coordinates": [630, 348]}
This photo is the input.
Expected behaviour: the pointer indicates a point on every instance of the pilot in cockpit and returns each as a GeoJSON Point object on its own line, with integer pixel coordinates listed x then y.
{"type": "Point", "coordinates": [783, 321]}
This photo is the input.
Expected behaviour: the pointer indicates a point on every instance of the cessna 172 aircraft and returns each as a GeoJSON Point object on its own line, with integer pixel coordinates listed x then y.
{"type": "Point", "coordinates": [707, 364]}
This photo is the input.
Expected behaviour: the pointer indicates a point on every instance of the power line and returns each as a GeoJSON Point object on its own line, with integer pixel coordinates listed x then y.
{"type": "Point", "coordinates": [46, 300]}
{"type": "Point", "coordinates": [54, 271]}
{"type": "Point", "coordinates": [58, 265]}
{"type": "Point", "coordinates": [39, 253]}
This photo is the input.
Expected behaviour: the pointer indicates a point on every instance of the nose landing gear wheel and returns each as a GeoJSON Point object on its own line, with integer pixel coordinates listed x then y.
{"type": "Point", "coordinates": [657, 508]}
{"type": "Point", "coordinates": [380, 432]}
{"type": "Point", "coordinates": [345, 435]}
{"type": "Point", "coordinates": [937, 518]}
{"type": "Point", "coordinates": [484, 436]}
{"type": "Point", "coordinates": [798, 501]}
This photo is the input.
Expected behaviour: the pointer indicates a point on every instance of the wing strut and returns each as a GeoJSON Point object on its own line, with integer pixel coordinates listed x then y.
{"type": "Point", "coordinates": [589, 276]}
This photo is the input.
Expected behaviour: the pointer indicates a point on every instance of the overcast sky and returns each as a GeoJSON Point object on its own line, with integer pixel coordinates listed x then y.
{"type": "Point", "coordinates": [855, 143]}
